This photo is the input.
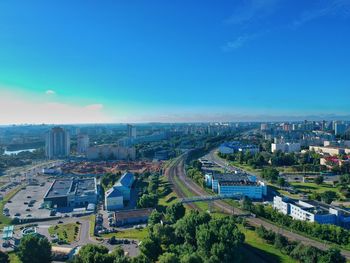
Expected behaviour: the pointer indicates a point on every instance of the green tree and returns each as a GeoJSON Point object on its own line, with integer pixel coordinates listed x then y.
{"type": "Point", "coordinates": [168, 258]}
{"type": "Point", "coordinates": [154, 218]}
{"type": "Point", "coordinates": [147, 200]}
{"type": "Point", "coordinates": [328, 196]}
{"type": "Point", "coordinates": [191, 258]}
{"type": "Point", "coordinates": [270, 174]}
{"type": "Point", "coordinates": [151, 248]}
{"type": "Point", "coordinates": [332, 255]}
{"type": "Point", "coordinates": [34, 249]}
{"type": "Point", "coordinates": [318, 179]}
{"type": "Point", "coordinates": [281, 181]}
{"type": "Point", "coordinates": [174, 212]}
{"type": "Point", "coordinates": [247, 204]}
{"type": "Point", "coordinates": [4, 258]}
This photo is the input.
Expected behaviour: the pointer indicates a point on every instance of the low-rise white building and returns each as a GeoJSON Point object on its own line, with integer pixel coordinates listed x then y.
{"type": "Point", "coordinates": [285, 147]}
{"type": "Point", "coordinates": [311, 211]}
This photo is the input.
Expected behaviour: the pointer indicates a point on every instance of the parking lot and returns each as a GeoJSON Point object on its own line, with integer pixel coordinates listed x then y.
{"type": "Point", "coordinates": [26, 203]}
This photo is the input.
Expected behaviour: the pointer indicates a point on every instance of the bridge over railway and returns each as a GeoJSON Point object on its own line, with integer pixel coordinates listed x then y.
{"type": "Point", "coordinates": [209, 198]}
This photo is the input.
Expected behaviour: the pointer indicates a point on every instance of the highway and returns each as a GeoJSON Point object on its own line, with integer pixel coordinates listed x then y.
{"type": "Point", "coordinates": [177, 169]}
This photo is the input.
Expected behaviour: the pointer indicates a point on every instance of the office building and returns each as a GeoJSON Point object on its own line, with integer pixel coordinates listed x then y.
{"type": "Point", "coordinates": [83, 143]}
{"type": "Point", "coordinates": [253, 190]}
{"type": "Point", "coordinates": [57, 143]}
{"type": "Point", "coordinates": [312, 211]}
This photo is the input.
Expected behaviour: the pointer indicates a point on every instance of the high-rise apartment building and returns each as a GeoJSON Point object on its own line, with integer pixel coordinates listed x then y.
{"type": "Point", "coordinates": [57, 143]}
{"type": "Point", "coordinates": [131, 131]}
{"type": "Point", "coordinates": [83, 143]}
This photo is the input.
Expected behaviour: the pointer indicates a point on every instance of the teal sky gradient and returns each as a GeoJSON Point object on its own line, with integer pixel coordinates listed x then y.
{"type": "Point", "coordinates": [174, 60]}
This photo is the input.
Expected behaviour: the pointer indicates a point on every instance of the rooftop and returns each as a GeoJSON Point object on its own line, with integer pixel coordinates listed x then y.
{"type": "Point", "coordinates": [60, 188]}
{"type": "Point", "coordinates": [230, 176]}
{"type": "Point", "coordinates": [122, 215]}
{"type": "Point", "coordinates": [63, 187]}
{"type": "Point", "coordinates": [126, 180]}
{"type": "Point", "coordinates": [238, 183]}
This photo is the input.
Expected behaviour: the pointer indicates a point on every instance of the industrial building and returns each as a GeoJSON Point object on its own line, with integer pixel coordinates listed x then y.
{"type": "Point", "coordinates": [235, 146]}
{"type": "Point", "coordinates": [119, 193]}
{"type": "Point", "coordinates": [312, 211]}
{"type": "Point", "coordinates": [129, 217]}
{"type": "Point", "coordinates": [72, 193]}
{"type": "Point", "coordinates": [236, 183]}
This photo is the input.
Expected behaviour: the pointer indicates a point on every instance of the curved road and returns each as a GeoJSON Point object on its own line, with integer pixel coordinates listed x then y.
{"type": "Point", "coordinates": [177, 169]}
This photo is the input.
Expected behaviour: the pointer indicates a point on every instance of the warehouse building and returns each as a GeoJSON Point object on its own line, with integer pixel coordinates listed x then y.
{"type": "Point", "coordinates": [119, 193]}
{"type": "Point", "coordinates": [132, 217]}
{"type": "Point", "coordinates": [72, 193]}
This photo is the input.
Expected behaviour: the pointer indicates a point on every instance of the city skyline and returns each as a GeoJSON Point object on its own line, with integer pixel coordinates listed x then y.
{"type": "Point", "coordinates": [84, 62]}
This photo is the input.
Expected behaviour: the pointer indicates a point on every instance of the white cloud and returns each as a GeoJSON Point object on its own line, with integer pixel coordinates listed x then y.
{"type": "Point", "coordinates": [253, 9]}
{"type": "Point", "coordinates": [252, 12]}
{"type": "Point", "coordinates": [50, 92]}
{"type": "Point", "coordinates": [17, 108]}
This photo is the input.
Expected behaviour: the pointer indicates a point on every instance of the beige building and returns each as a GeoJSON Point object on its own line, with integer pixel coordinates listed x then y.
{"type": "Point", "coordinates": [112, 152]}
{"type": "Point", "coordinates": [331, 150]}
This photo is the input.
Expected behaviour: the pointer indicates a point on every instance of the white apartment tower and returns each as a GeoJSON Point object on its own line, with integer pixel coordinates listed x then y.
{"type": "Point", "coordinates": [131, 131]}
{"type": "Point", "coordinates": [57, 143]}
{"type": "Point", "coordinates": [83, 143]}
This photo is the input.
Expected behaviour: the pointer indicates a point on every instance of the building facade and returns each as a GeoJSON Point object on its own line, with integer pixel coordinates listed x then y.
{"type": "Point", "coordinates": [57, 143]}
{"type": "Point", "coordinates": [83, 143]}
{"type": "Point", "coordinates": [119, 193]}
{"type": "Point", "coordinates": [111, 152]}
{"type": "Point", "coordinates": [312, 211]}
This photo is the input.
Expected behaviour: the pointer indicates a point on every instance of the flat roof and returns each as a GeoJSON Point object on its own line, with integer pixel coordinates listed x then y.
{"type": "Point", "coordinates": [122, 215]}
{"type": "Point", "coordinates": [230, 177]}
{"type": "Point", "coordinates": [238, 183]}
{"type": "Point", "coordinates": [60, 188]}
{"type": "Point", "coordinates": [83, 185]}
{"type": "Point", "coordinates": [63, 187]}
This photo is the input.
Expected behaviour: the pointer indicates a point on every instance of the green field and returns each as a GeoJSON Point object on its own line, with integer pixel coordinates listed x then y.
{"type": "Point", "coordinates": [261, 249]}
{"type": "Point", "coordinates": [166, 195]}
{"type": "Point", "coordinates": [138, 234]}
{"type": "Point", "coordinates": [67, 232]}
{"type": "Point", "coordinates": [309, 188]}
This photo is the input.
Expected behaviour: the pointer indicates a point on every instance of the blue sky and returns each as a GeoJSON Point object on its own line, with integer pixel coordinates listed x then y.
{"type": "Point", "coordinates": [138, 61]}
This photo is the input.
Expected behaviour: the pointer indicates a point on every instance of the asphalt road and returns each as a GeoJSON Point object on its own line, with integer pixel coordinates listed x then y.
{"type": "Point", "coordinates": [177, 169]}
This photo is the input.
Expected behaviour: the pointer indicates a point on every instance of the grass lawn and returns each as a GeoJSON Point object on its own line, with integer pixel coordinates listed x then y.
{"type": "Point", "coordinates": [138, 234]}
{"type": "Point", "coordinates": [261, 249]}
{"type": "Point", "coordinates": [92, 221]}
{"type": "Point", "coordinates": [203, 206]}
{"type": "Point", "coordinates": [166, 195]}
{"type": "Point", "coordinates": [4, 220]}
{"type": "Point", "coordinates": [66, 232]}
{"type": "Point", "coordinates": [312, 187]}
